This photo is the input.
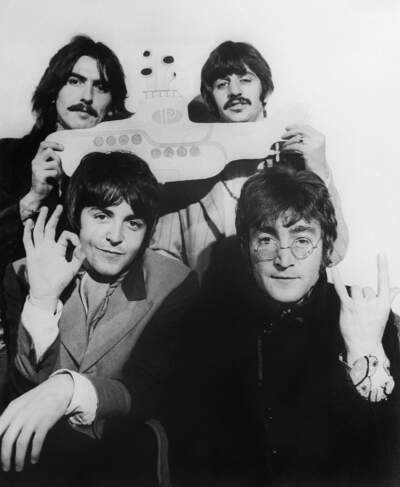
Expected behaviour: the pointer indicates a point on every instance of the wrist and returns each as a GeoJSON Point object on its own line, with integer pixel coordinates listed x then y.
{"type": "Point", "coordinates": [355, 353]}
{"type": "Point", "coordinates": [29, 204]}
{"type": "Point", "coordinates": [65, 387]}
{"type": "Point", "coordinates": [47, 303]}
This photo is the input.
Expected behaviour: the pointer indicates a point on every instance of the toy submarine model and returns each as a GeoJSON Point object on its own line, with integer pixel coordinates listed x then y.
{"type": "Point", "coordinates": [176, 149]}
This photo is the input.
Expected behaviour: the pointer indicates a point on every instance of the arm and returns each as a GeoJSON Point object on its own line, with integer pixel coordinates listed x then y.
{"type": "Point", "coordinates": [22, 169]}
{"type": "Point", "coordinates": [138, 394]}
{"type": "Point", "coordinates": [48, 274]}
{"type": "Point", "coordinates": [363, 318]}
{"type": "Point", "coordinates": [310, 144]}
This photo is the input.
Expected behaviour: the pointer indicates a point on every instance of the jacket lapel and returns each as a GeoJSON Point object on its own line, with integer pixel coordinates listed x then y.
{"type": "Point", "coordinates": [126, 309]}
{"type": "Point", "coordinates": [73, 329]}
{"type": "Point", "coordinates": [121, 317]}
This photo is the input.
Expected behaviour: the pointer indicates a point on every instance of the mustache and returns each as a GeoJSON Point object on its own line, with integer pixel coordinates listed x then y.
{"type": "Point", "coordinates": [83, 107]}
{"type": "Point", "coordinates": [235, 98]}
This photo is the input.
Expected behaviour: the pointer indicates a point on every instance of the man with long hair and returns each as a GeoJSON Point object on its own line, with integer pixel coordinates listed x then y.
{"type": "Point", "coordinates": [83, 85]}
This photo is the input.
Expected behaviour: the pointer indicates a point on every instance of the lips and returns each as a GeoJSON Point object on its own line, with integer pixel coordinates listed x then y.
{"type": "Point", "coordinates": [110, 252]}
{"type": "Point", "coordinates": [285, 278]}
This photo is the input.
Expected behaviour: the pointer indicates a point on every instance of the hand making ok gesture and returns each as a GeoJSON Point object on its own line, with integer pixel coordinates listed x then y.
{"type": "Point", "coordinates": [49, 271]}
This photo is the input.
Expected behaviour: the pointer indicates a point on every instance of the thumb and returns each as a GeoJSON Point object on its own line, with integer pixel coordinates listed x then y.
{"type": "Point", "coordinates": [393, 292]}
{"type": "Point", "coordinates": [77, 258]}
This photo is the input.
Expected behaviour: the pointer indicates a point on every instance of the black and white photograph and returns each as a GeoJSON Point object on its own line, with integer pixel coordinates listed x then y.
{"type": "Point", "coordinates": [199, 243]}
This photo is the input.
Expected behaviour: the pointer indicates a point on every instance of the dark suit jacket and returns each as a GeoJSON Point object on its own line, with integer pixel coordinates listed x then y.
{"type": "Point", "coordinates": [273, 403]}
{"type": "Point", "coordinates": [131, 352]}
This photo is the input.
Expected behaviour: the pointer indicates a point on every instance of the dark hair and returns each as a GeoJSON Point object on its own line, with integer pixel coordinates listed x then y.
{"type": "Point", "coordinates": [106, 179]}
{"type": "Point", "coordinates": [274, 192]}
{"type": "Point", "coordinates": [58, 71]}
{"type": "Point", "coordinates": [231, 57]}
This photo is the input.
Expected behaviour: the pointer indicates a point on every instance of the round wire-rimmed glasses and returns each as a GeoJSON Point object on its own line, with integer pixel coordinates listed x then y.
{"type": "Point", "coordinates": [301, 247]}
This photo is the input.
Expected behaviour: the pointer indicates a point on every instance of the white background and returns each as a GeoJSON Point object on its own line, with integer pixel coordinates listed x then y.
{"type": "Point", "coordinates": [341, 58]}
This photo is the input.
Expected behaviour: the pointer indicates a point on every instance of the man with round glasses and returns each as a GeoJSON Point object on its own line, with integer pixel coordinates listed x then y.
{"type": "Point", "coordinates": [300, 382]}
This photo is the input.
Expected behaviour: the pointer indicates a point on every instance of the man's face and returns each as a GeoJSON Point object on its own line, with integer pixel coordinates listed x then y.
{"type": "Point", "coordinates": [111, 238]}
{"type": "Point", "coordinates": [84, 99]}
{"type": "Point", "coordinates": [285, 278]}
{"type": "Point", "coordinates": [238, 97]}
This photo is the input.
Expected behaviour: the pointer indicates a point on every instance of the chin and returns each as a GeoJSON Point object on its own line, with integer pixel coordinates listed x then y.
{"type": "Point", "coordinates": [107, 270]}
{"type": "Point", "coordinates": [285, 295]}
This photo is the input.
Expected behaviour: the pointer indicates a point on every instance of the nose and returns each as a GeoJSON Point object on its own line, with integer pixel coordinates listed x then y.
{"type": "Point", "coordinates": [284, 259]}
{"type": "Point", "coordinates": [87, 93]}
{"type": "Point", "coordinates": [115, 233]}
{"type": "Point", "coordinates": [235, 87]}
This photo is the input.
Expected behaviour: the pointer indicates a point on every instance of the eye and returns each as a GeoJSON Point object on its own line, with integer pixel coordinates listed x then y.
{"type": "Point", "coordinates": [102, 87]}
{"type": "Point", "coordinates": [100, 216]}
{"type": "Point", "coordinates": [246, 79]}
{"type": "Point", "coordinates": [302, 242]}
{"type": "Point", "coordinates": [74, 81]}
{"type": "Point", "coordinates": [220, 84]}
{"type": "Point", "coordinates": [266, 240]}
{"type": "Point", "coordinates": [135, 225]}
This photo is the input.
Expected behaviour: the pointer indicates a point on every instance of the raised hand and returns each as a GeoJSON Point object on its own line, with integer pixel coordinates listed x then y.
{"type": "Point", "coordinates": [49, 272]}
{"type": "Point", "coordinates": [363, 318]}
{"type": "Point", "coordinates": [29, 418]}
{"type": "Point", "coordinates": [364, 314]}
{"type": "Point", "coordinates": [46, 173]}
{"type": "Point", "coordinates": [310, 143]}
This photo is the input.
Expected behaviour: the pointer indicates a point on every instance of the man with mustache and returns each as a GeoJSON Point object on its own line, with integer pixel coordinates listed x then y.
{"type": "Point", "coordinates": [236, 82]}
{"type": "Point", "coordinates": [83, 85]}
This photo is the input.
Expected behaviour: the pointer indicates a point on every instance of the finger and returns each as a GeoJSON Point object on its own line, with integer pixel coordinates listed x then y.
{"type": "Point", "coordinates": [356, 293]}
{"type": "Point", "coordinates": [368, 293]}
{"type": "Point", "coordinates": [294, 147]}
{"type": "Point", "coordinates": [38, 229]}
{"type": "Point", "coordinates": [340, 287]}
{"type": "Point", "coordinates": [393, 292]}
{"type": "Point", "coordinates": [21, 446]}
{"type": "Point", "coordinates": [50, 229]}
{"type": "Point", "coordinates": [383, 277]}
{"type": "Point", "coordinates": [50, 144]}
{"type": "Point", "coordinates": [27, 236]}
{"type": "Point", "coordinates": [66, 237]}
{"type": "Point", "coordinates": [37, 445]}
{"type": "Point", "coordinates": [7, 445]}
{"type": "Point", "coordinates": [77, 258]}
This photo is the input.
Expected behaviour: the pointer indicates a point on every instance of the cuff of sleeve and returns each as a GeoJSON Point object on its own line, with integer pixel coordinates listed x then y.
{"type": "Point", "coordinates": [41, 325]}
{"type": "Point", "coordinates": [371, 376]}
{"type": "Point", "coordinates": [83, 406]}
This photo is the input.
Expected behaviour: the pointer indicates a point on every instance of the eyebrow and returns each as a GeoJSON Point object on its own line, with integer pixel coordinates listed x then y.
{"type": "Point", "coordinates": [79, 76]}
{"type": "Point", "coordinates": [267, 229]}
{"type": "Point", "coordinates": [303, 228]}
{"type": "Point", "coordinates": [109, 212]}
{"type": "Point", "coordinates": [96, 81]}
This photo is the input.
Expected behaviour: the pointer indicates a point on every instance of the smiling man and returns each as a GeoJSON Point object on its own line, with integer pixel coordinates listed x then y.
{"type": "Point", "coordinates": [105, 319]}
{"type": "Point", "coordinates": [299, 389]}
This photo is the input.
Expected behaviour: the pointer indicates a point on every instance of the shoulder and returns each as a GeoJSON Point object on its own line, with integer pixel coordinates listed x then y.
{"type": "Point", "coordinates": [18, 151]}
{"type": "Point", "coordinates": [163, 274]}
